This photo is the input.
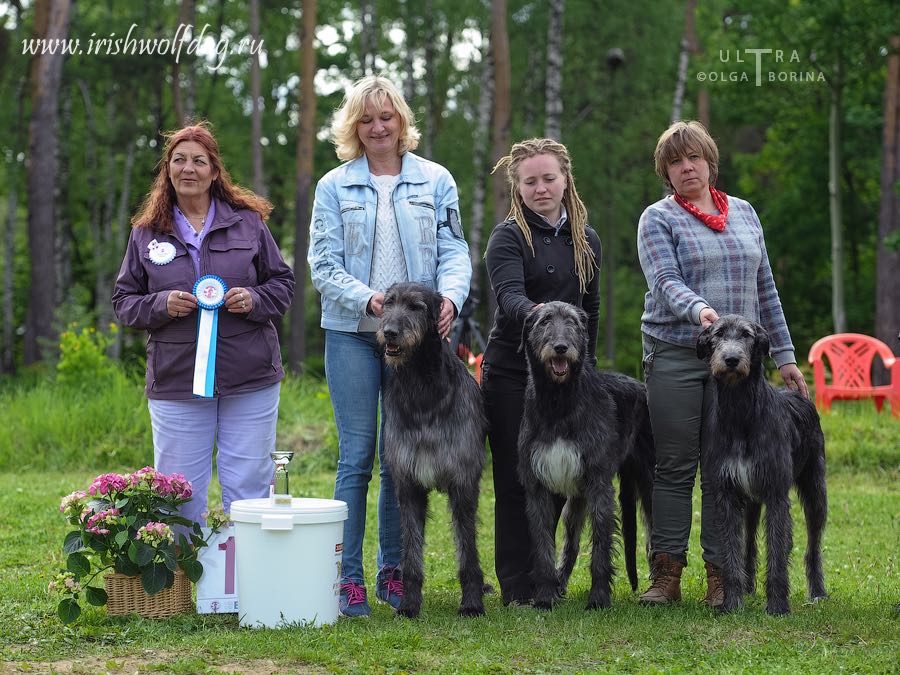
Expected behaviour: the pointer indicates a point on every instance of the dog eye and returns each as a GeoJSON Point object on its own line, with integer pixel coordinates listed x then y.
{"type": "Point", "coordinates": [746, 333]}
{"type": "Point", "coordinates": [387, 302]}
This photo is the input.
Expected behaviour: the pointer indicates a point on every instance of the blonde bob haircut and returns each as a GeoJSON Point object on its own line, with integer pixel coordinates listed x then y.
{"type": "Point", "coordinates": [585, 264]}
{"type": "Point", "coordinates": [378, 89]}
{"type": "Point", "coordinates": [681, 139]}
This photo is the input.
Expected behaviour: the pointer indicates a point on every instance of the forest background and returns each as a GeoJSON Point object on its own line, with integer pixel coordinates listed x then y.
{"type": "Point", "coordinates": [802, 97]}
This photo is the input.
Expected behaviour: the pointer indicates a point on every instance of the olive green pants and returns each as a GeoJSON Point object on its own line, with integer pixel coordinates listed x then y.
{"type": "Point", "coordinates": [680, 393]}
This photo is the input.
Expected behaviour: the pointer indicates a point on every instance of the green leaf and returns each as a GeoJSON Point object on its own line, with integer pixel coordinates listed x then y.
{"type": "Point", "coordinates": [133, 552]}
{"type": "Point", "coordinates": [73, 542]}
{"type": "Point", "coordinates": [145, 553]}
{"type": "Point", "coordinates": [125, 566]}
{"type": "Point", "coordinates": [121, 538]}
{"type": "Point", "coordinates": [193, 569]}
{"type": "Point", "coordinates": [95, 596]}
{"type": "Point", "coordinates": [68, 610]}
{"type": "Point", "coordinates": [78, 564]}
{"type": "Point", "coordinates": [154, 578]}
{"type": "Point", "coordinates": [168, 554]}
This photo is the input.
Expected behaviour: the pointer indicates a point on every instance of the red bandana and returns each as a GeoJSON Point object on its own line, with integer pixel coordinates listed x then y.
{"type": "Point", "coordinates": [714, 221]}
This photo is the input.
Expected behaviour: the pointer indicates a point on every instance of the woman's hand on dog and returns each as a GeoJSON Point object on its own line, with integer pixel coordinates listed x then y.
{"type": "Point", "coordinates": [376, 305]}
{"type": "Point", "coordinates": [794, 379]}
{"type": "Point", "coordinates": [445, 320]}
{"type": "Point", "coordinates": [708, 317]}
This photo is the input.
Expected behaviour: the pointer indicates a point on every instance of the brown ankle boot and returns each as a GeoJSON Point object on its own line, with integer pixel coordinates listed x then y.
{"type": "Point", "coordinates": [715, 590]}
{"type": "Point", "coordinates": [665, 578]}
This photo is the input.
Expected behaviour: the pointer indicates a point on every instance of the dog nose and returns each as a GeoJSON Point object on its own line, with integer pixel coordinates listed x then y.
{"type": "Point", "coordinates": [560, 348]}
{"type": "Point", "coordinates": [390, 333]}
{"type": "Point", "coordinates": [731, 361]}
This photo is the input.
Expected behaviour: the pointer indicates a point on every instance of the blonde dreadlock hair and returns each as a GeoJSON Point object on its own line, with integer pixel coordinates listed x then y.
{"type": "Point", "coordinates": [585, 262]}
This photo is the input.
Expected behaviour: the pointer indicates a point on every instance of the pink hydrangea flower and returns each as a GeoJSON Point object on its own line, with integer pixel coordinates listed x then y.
{"type": "Point", "coordinates": [107, 483]}
{"type": "Point", "coordinates": [97, 523]}
{"type": "Point", "coordinates": [71, 502]}
{"type": "Point", "coordinates": [155, 534]}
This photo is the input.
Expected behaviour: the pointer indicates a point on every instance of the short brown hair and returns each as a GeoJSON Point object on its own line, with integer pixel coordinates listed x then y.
{"type": "Point", "coordinates": [679, 140]}
{"type": "Point", "coordinates": [378, 88]}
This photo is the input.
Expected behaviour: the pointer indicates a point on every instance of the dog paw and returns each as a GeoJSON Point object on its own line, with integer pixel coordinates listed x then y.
{"type": "Point", "coordinates": [471, 610]}
{"type": "Point", "coordinates": [487, 589]}
{"type": "Point", "coordinates": [600, 602]}
{"type": "Point", "coordinates": [545, 605]}
{"type": "Point", "coordinates": [730, 606]}
{"type": "Point", "coordinates": [778, 608]}
{"type": "Point", "coordinates": [409, 611]}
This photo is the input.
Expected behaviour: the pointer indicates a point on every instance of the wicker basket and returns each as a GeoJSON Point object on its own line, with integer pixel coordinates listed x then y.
{"type": "Point", "coordinates": [126, 595]}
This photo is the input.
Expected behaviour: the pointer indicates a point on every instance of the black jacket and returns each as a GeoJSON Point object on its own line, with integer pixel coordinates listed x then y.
{"type": "Point", "coordinates": [522, 280]}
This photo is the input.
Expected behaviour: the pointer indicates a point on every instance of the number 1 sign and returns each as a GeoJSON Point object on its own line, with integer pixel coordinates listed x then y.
{"type": "Point", "coordinates": [217, 588]}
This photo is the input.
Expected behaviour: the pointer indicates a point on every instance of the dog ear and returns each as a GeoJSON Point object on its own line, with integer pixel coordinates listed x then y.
{"type": "Point", "coordinates": [582, 317]}
{"type": "Point", "coordinates": [761, 343]}
{"type": "Point", "coordinates": [435, 300]}
{"type": "Point", "coordinates": [527, 325]}
{"type": "Point", "coordinates": [704, 343]}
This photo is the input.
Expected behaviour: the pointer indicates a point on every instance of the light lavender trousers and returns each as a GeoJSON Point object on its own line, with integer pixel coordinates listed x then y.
{"type": "Point", "coordinates": [242, 429]}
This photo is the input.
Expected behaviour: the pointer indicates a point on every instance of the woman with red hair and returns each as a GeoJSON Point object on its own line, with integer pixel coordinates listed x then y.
{"type": "Point", "coordinates": [197, 233]}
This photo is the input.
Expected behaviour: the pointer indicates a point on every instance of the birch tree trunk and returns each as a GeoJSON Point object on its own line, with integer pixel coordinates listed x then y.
{"type": "Point", "coordinates": [430, 75]}
{"type": "Point", "coordinates": [500, 130]}
{"type": "Point", "coordinates": [835, 206]}
{"type": "Point", "coordinates": [259, 186]}
{"type": "Point", "coordinates": [368, 36]}
{"type": "Point", "coordinates": [554, 104]}
{"type": "Point", "coordinates": [7, 362]}
{"type": "Point", "coordinates": [409, 89]}
{"type": "Point", "coordinates": [887, 288]}
{"type": "Point", "coordinates": [51, 22]}
{"type": "Point", "coordinates": [479, 156]}
{"type": "Point", "coordinates": [305, 140]}
{"type": "Point", "coordinates": [182, 112]}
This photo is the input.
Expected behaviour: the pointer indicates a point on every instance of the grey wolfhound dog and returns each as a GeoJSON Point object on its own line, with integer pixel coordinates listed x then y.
{"type": "Point", "coordinates": [579, 428]}
{"type": "Point", "coordinates": [433, 438]}
{"type": "Point", "coordinates": [763, 440]}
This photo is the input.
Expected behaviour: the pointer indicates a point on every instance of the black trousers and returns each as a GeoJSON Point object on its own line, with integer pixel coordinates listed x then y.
{"type": "Point", "coordinates": [504, 395]}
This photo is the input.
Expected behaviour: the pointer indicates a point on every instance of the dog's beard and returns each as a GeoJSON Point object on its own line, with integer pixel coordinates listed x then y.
{"type": "Point", "coordinates": [731, 376]}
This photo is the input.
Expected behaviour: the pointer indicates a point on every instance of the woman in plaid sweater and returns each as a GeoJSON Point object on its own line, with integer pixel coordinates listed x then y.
{"type": "Point", "coordinates": [703, 254]}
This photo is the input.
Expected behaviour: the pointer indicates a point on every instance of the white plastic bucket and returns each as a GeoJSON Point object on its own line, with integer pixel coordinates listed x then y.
{"type": "Point", "coordinates": [288, 561]}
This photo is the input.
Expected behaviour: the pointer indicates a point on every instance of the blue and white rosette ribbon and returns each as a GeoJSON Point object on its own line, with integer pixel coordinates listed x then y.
{"type": "Point", "coordinates": [210, 293]}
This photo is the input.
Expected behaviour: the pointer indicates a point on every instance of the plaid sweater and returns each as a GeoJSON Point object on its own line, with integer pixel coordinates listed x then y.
{"type": "Point", "coordinates": [689, 267]}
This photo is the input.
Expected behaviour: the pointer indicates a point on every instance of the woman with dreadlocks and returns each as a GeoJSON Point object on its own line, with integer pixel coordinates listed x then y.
{"type": "Point", "coordinates": [544, 251]}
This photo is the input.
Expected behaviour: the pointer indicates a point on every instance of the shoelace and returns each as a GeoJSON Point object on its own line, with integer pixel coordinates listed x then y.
{"type": "Point", "coordinates": [355, 593]}
{"type": "Point", "coordinates": [392, 584]}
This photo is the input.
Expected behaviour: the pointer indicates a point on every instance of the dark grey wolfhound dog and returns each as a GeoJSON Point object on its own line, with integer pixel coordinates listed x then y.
{"type": "Point", "coordinates": [433, 438]}
{"type": "Point", "coordinates": [763, 441]}
{"type": "Point", "coordinates": [579, 428]}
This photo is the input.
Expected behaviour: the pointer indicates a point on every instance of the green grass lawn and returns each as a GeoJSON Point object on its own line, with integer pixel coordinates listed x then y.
{"type": "Point", "coordinates": [54, 440]}
{"type": "Point", "coordinates": [856, 630]}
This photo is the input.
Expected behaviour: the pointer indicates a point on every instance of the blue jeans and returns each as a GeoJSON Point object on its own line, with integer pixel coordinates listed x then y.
{"type": "Point", "coordinates": [356, 375]}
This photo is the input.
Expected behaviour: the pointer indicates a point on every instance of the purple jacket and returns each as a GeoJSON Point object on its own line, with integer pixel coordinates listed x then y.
{"type": "Point", "coordinates": [239, 248]}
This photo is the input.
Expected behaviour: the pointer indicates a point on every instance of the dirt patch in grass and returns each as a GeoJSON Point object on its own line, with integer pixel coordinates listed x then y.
{"type": "Point", "coordinates": [156, 662]}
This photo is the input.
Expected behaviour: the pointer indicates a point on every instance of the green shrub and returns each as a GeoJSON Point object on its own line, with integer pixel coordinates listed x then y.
{"type": "Point", "coordinates": [82, 356]}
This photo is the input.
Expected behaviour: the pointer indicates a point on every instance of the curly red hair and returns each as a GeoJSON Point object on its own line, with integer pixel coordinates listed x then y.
{"type": "Point", "coordinates": [156, 209]}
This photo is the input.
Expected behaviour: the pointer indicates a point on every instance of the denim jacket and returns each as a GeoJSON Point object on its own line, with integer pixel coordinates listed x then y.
{"type": "Point", "coordinates": [342, 235]}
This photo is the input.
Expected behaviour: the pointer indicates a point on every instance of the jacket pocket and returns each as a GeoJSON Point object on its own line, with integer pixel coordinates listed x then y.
{"type": "Point", "coordinates": [233, 260]}
{"type": "Point", "coordinates": [178, 273]}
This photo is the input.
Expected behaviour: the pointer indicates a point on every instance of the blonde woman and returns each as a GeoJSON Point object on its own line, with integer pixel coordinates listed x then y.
{"type": "Point", "coordinates": [544, 251]}
{"type": "Point", "coordinates": [382, 217]}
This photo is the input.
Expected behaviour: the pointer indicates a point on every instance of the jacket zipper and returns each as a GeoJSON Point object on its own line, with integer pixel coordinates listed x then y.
{"type": "Point", "coordinates": [425, 204]}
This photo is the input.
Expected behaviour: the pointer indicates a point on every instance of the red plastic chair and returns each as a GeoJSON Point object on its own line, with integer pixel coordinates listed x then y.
{"type": "Point", "coordinates": [850, 358]}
